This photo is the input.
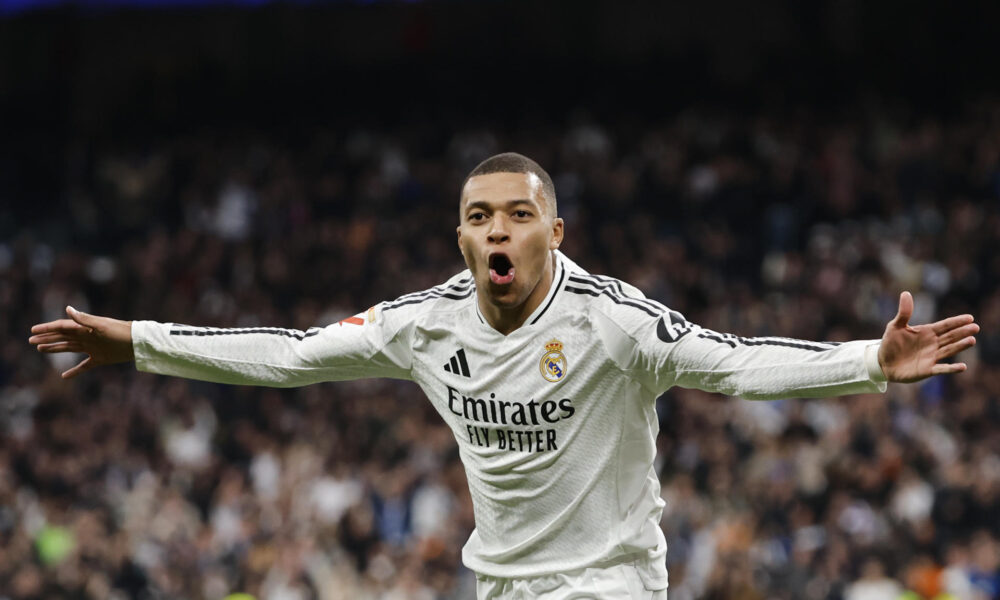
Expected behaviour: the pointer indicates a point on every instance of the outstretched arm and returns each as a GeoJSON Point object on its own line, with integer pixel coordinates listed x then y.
{"type": "Point", "coordinates": [105, 341]}
{"type": "Point", "coordinates": [668, 350]}
{"type": "Point", "coordinates": [360, 346]}
{"type": "Point", "coordinates": [910, 353]}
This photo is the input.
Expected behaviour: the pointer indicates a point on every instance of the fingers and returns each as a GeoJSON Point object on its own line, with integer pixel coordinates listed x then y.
{"type": "Point", "coordinates": [958, 333]}
{"type": "Point", "coordinates": [82, 318]}
{"type": "Point", "coordinates": [905, 310]}
{"type": "Point", "coordinates": [57, 336]}
{"type": "Point", "coordinates": [62, 326]}
{"type": "Point", "coordinates": [61, 347]}
{"type": "Point", "coordinates": [956, 347]}
{"type": "Point", "coordinates": [948, 368]}
{"type": "Point", "coordinates": [945, 325]}
{"type": "Point", "coordinates": [85, 365]}
{"type": "Point", "coordinates": [48, 338]}
{"type": "Point", "coordinates": [63, 329]}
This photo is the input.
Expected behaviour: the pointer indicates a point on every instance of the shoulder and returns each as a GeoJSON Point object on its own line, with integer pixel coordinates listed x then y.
{"type": "Point", "coordinates": [451, 295]}
{"type": "Point", "coordinates": [610, 296]}
{"type": "Point", "coordinates": [619, 308]}
{"type": "Point", "coordinates": [625, 320]}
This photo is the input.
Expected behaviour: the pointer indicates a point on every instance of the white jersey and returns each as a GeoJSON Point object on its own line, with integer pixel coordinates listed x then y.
{"type": "Point", "coordinates": [555, 422]}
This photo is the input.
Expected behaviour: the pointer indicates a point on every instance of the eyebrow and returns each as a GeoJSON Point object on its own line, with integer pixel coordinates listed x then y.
{"type": "Point", "coordinates": [484, 205]}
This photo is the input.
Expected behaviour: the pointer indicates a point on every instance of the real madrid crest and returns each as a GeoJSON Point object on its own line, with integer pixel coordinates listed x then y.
{"type": "Point", "coordinates": [553, 364]}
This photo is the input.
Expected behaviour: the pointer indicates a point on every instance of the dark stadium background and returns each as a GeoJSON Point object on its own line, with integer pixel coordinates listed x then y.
{"type": "Point", "coordinates": [767, 168]}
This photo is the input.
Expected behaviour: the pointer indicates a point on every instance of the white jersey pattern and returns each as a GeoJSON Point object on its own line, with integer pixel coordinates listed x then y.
{"type": "Point", "coordinates": [555, 422]}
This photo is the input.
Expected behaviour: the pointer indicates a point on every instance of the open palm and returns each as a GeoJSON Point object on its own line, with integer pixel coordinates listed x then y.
{"type": "Point", "coordinates": [914, 352]}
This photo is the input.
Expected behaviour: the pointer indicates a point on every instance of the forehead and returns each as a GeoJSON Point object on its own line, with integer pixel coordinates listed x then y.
{"type": "Point", "coordinates": [499, 187]}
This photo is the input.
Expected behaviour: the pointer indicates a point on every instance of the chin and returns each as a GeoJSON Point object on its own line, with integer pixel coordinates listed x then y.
{"type": "Point", "coordinates": [507, 299]}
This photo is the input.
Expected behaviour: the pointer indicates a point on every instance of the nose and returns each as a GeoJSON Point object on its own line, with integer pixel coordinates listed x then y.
{"type": "Point", "coordinates": [499, 231]}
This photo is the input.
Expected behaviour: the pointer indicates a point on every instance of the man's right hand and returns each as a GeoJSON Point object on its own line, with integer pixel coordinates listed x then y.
{"type": "Point", "coordinates": [105, 341]}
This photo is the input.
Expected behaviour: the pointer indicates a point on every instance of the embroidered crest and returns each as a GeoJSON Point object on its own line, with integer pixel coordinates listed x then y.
{"type": "Point", "coordinates": [553, 364]}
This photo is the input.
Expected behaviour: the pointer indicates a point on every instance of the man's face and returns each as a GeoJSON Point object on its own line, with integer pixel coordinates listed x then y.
{"type": "Point", "coordinates": [505, 235]}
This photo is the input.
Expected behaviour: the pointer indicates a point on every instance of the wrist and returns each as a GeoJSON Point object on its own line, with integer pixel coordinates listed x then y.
{"type": "Point", "coordinates": [874, 363]}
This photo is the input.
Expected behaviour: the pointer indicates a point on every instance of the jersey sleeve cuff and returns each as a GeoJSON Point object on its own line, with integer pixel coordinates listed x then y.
{"type": "Point", "coordinates": [871, 361]}
{"type": "Point", "coordinates": [140, 344]}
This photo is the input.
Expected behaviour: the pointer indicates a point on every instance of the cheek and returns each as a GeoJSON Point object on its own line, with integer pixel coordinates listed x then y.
{"type": "Point", "coordinates": [466, 245]}
{"type": "Point", "coordinates": [540, 250]}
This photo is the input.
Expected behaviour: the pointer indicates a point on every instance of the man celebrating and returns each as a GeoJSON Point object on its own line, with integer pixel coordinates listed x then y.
{"type": "Point", "coordinates": [547, 376]}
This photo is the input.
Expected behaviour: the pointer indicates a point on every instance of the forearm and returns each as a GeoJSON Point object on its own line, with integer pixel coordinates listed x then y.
{"type": "Point", "coordinates": [254, 356]}
{"type": "Point", "coordinates": [764, 369]}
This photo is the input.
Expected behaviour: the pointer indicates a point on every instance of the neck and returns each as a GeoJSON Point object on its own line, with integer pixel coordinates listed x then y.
{"type": "Point", "coordinates": [507, 319]}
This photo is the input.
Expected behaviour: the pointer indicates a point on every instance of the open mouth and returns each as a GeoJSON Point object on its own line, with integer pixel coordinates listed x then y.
{"type": "Point", "coordinates": [501, 269]}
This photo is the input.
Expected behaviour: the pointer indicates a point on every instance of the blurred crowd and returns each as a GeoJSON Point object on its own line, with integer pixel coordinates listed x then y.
{"type": "Point", "coordinates": [121, 485]}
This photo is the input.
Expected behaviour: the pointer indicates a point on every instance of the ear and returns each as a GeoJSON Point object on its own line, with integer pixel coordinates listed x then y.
{"type": "Point", "coordinates": [458, 230]}
{"type": "Point", "coordinates": [557, 233]}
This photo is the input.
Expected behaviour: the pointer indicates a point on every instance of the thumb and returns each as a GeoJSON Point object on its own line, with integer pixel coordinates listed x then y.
{"type": "Point", "coordinates": [80, 317]}
{"type": "Point", "coordinates": [905, 310]}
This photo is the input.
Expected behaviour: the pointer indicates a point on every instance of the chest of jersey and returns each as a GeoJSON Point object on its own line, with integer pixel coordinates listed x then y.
{"type": "Point", "coordinates": [525, 392]}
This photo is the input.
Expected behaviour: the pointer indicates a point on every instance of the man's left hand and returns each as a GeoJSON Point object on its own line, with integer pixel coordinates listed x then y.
{"type": "Point", "coordinates": [913, 352]}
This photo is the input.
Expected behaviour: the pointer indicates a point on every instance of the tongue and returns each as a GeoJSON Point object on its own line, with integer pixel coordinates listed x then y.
{"type": "Point", "coordinates": [502, 279]}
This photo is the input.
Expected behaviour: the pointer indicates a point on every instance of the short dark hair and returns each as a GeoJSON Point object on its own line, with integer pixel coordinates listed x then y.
{"type": "Point", "coordinates": [512, 162]}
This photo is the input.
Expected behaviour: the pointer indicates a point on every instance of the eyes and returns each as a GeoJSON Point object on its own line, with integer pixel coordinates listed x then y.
{"type": "Point", "coordinates": [520, 214]}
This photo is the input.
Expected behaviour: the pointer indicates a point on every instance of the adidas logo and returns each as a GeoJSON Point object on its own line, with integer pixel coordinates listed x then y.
{"type": "Point", "coordinates": [458, 365]}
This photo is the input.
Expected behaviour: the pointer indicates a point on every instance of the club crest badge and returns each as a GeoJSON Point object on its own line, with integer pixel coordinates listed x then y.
{"type": "Point", "coordinates": [553, 364]}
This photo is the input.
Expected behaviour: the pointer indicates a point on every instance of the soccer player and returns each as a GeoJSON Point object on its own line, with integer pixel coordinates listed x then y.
{"type": "Point", "coordinates": [546, 374]}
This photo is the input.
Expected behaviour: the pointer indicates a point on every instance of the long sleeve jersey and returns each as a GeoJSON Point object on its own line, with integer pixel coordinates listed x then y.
{"type": "Point", "coordinates": [555, 422]}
